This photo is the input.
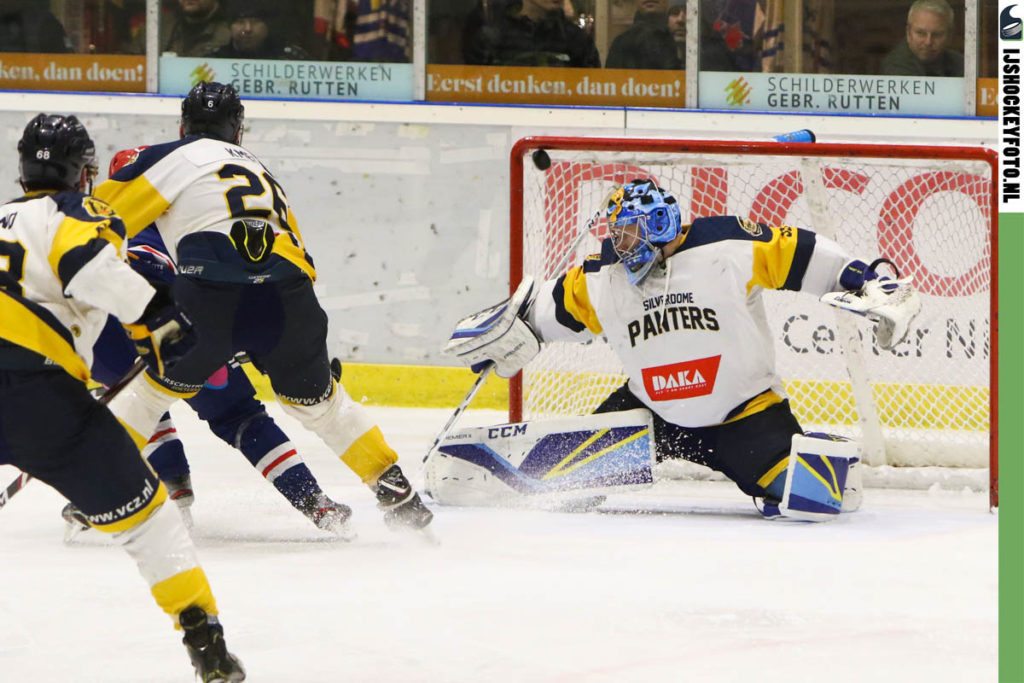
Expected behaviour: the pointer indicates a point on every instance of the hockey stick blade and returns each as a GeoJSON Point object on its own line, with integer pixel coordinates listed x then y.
{"type": "Point", "coordinates": [24, 478]}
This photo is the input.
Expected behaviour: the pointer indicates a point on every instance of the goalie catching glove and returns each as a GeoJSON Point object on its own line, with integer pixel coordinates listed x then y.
{"type": "Point", "coordinates": [162, 334]}
{"type": "Point", "coordinates": [498, 334]}
{"type": "Point", "coordinates": [892, 303]}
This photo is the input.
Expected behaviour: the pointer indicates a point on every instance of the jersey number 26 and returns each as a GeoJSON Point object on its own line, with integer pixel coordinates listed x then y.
{"type": "Point", "coordinates": [257, 186]}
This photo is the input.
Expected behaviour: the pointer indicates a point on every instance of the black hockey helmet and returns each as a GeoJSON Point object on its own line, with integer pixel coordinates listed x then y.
{"type": "Point", "coordinates": [56, 154]}
{"type": "Point", "coordinates": [212, 109]}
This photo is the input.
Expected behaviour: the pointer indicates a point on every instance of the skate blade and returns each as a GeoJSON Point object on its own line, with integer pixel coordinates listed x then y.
{"type": "Point", "coordinates": [186, 518]}
{"type": "Point", "coordinates": [345, 533]}
{"type": "Point", "coordinates": [72, 530]}
{"type": "Point", "coordinates": [424, 535]}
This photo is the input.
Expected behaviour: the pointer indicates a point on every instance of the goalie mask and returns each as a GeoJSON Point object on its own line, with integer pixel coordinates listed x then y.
{"type": "Point", "coordinates": [642, 217]}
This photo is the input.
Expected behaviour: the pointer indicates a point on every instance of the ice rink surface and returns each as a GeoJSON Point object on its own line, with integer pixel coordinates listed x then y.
{"type": "Point", "coordinates": [702, 590]}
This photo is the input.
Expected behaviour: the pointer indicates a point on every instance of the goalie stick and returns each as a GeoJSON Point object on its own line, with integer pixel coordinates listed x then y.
{"type": "Point", "coordinates": [24, 478]}
{"type": "Point", "coordinates": [486, 371]}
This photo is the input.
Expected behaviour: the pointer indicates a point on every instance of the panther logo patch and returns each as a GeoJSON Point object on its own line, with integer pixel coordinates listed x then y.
{"type": "Point", "coordinates": [97, 207]}
{"type": "Point", "coordinates": [750, 227]}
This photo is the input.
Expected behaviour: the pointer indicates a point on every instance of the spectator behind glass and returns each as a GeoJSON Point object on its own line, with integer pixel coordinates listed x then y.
{"type": "Point", "coordinates": [529, 33]}
{"type": "Point", "coordinates": [334, 23]}
{"type": "Point", "coordinates": [383, 31]}
{"type": "Point", "coordinates": [27, 27]}
{"type": "Point", "coordinates": [195, 29]}
{"type": "Point", "coordinates": [727, 35]}
{"type": "Point", "coordinates": [252, 36]}
{"type": "Point", "coordinates": [923, 52]}
{"type": "Point", "coordinates": [648, 43]}
{"type": "Point", "coordinates": [677, 24]}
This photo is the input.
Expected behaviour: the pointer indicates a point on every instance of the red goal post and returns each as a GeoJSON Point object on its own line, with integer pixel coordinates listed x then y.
{"type": "Point", "coordinates": [931, 402]}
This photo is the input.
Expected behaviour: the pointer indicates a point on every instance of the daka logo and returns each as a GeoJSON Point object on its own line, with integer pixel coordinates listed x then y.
{"type": "Point", "coordinates": [681, 380]}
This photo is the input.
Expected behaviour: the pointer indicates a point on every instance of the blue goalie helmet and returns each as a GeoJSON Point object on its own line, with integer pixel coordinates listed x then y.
{"type": "Point", "coordinates": [641, 218]}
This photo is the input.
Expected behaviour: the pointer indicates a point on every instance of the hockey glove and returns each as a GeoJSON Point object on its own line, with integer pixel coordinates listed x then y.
{"type": "Point", "coordinates": [891, 302]}
{"type": "Point", "coordinates": [162, 335]}
{"type": "Point", "coordinates": [497, 334]}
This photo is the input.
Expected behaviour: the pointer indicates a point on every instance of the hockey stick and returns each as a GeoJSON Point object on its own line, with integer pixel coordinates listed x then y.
{"type": "Point", "coordinates": [484, 374]}
{"type": "Point", "coordinates": [567, 256]}
{"type": "Point", "coordinates": [24, 478]}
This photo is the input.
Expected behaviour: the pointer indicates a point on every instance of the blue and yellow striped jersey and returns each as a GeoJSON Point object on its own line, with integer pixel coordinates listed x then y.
{"type": "Point", "coordinates": [201, 185]}
{"type": "Point", "coordinates": [62, 270]}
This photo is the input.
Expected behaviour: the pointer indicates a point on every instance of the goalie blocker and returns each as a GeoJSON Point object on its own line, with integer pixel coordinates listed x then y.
{"type": "Point", "coordinates": [497, 334]}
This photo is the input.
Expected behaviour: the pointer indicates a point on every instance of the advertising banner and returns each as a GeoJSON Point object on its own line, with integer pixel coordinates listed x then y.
{"type": "Point", "coordinates": [555, 86]}
{"type": "Point", "coordinates": [104, 73]}
{"type": "Point", "coordinates": [288, 79]}
{"type": "Point", "coordinates": [986, 97]}
{"type": "Point", "coordinates": [1011, 336]}
{"type": "Point", "coordinates": [832, 93]}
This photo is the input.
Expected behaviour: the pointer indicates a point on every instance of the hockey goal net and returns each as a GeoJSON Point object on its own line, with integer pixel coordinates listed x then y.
{"type": "Point", "coordinates": [931, 210]}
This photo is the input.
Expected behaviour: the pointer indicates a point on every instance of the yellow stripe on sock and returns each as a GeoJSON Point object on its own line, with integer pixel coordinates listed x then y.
{"type": "Point", "coordinates": [184, 590]}
{"type": "Point", "coordinates": [369, 455]}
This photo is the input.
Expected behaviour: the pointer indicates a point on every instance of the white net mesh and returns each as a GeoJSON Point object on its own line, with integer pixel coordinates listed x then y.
{"type": "Point", "coordinates": [926, 402]}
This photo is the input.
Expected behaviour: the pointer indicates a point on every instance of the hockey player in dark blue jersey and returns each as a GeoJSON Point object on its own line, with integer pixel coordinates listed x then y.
{"type": "Point", "coordinates": [227, 403]}
{"type": "Point", "coordinates": [245, 282]}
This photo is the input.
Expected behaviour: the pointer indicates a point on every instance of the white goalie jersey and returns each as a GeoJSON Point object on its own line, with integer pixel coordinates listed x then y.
{"type": "Point", "coordinates": [693, 336]}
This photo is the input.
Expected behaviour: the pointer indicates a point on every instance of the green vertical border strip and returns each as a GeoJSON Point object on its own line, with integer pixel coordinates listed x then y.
{"type": "Point", "coordinates": [1011, 438]}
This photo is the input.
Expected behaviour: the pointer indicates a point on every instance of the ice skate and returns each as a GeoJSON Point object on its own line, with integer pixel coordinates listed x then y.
{"type": "Point", "coordinates": [204, 640]}
{"type": "Point", "coordinates": [401, 505]}
{"type": "Point", "coordinates": [179, 489]}
{"type": "Point", "coordinates": [328, 515]}
{"type": "Point", "coordinates": [75, 522]}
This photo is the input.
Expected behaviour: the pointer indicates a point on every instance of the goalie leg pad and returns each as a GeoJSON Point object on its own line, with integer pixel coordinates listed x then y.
{"type": "Point", "coordinates": [531, 462]}
{"type": "Point", "coordinates": [816, 476]}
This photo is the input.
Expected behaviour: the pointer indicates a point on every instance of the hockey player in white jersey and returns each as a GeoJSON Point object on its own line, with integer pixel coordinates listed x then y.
{"type": "Point", "coordinates": [245, 281]}
{"type": "Point", "coordinates": [681, 307]}
{"type": "Point", "coordinates": [62, 271]}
